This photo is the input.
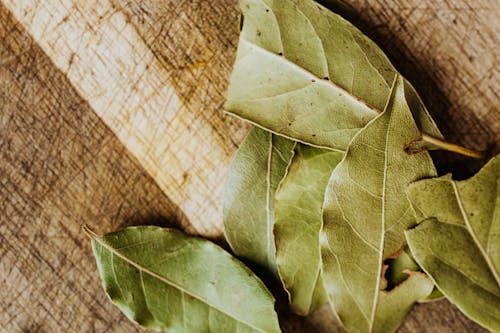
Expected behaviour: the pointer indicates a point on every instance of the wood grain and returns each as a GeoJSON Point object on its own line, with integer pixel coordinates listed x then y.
{"type": "Point", "coordinates": [109, 64]}
{"type": "Point", "coordinates": [78, 115]}
{"type": "Point", "coordinates": [60, 167]}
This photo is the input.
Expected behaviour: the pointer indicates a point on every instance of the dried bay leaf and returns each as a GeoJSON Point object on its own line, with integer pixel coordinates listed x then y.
{"type": "Point", "coordinates": [167, 281]}
{"type": "Point", "coordinates": [458, 241]}
{"type": "Point", "coordinates": [298, 216]}
{"type": "Point", "coordinates": [253, 178]}
{"type": "Point", "coordinates": [396, 267]}
{"type": "Point", "coordinates": [396, 272]}
{"type": "Point", "coordinates": [365, 215]}
{"type": "Point", "coordinates": [305, 73]}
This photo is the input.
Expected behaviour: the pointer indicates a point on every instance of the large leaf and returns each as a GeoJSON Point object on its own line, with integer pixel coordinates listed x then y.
{"type": "Point", "coordinates": [458, 242]}
{"type": "Point", "coordinates": [365, 215]}
{"type": "Point", "coordinates": [255, 173]}
{"type": "Point", "coordinates": [167, 281]}
{"type": "Point", "coordinates": [297, 225]}
{"type": "Point", "coordinates": [305, 73]}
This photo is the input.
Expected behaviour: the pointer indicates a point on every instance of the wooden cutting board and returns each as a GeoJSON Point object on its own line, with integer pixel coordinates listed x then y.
{"type": "Point", "coordinates": [111, 115]}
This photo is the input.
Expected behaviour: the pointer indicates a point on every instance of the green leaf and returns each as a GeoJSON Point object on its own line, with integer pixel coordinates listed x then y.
{"type": "Point", "coordinates": [167, 281]}
{"type": "Point", "coordinates": [307, 74]}
{"type": "Point", "coordinates": [297, 225]}
{"type": "Point", "coordinates": [400, 268]}
{"type": "Point", "coordinates": [397, 267]}
{"type": "Point", "coordinates": [365, 215]}
{"type": "Point", "coordinates": [458, 242]}
{"type": "Point", "coordinates": [255, 173]}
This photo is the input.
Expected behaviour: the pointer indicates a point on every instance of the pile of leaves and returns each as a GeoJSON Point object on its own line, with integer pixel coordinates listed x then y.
{"type": "Point", "coordinates": [333, 192]}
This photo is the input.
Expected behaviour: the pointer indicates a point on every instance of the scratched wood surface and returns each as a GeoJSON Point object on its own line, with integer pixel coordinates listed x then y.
{"type": "Point", "coordinates": [110, 115]}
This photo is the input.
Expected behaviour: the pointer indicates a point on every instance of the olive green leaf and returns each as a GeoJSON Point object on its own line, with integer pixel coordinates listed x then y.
{"type": "Point", "coordinates": [396, 267]}
{"type": "Point", "coordinates": [255, 173]}
{"type": "Point", "coordinates": [397, 272]}
{"type": "Point", "coordinates": [458, 242]}
{"type": "Point", "coordinates": [307, 74]}
{"type": "Point", "coordinates": [365, 215]}
{"type": "Point", "coordinates": [167, 281]}
{"type": "Point", "coordinates": [298, 214]}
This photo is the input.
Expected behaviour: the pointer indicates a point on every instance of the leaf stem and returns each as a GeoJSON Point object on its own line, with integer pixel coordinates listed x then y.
{"type": "Point", "coordinates": [86, 229]}
{"type": "Point", "coordinates": [451, 147]}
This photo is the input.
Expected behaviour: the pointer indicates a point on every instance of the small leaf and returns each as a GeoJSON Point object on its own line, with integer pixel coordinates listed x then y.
{"type": "Point", "coordinates": [397, 272]}
{"type": "Point", "coordinates": [458, 241]}
{"type": "Point", "coordinates": [365, 215]}
{"type": "Point", "coordinates": [307, 74]}
{"type": "Point", "coordinates": [255, 173]}
{"type": "Point", "coordinates": [167, 281]}
{"type": "Point", "coordinates": [397, 268]}
{"type": "Point", "coordinates": [297, 225]}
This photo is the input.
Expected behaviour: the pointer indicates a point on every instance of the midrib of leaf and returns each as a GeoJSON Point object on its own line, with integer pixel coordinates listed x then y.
{"type": "Point", "coordinates": [486, 256]}
{"type": "Point", "coordinates": [164, 280]}
{"type": "Point", "coordinates": [382, 236]}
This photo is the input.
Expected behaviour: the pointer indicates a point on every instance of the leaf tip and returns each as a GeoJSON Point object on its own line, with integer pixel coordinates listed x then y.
{"type": "Point", "coordinates": [87, 231]}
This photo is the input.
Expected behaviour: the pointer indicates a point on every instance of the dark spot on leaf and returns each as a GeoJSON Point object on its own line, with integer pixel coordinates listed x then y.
{"type": "Point", "coordinates": [326, 78]}
{"type": "Point", "coordinates": [267, 10]}
{"type": "Point", "coordinates": [313, 80]}
{"type": "Point", "coordinates": [289, 124]}
{"type": "Point", "coordinates": [314, 135]}
{"type": "Point", "coordinates": [259, 33]}
{"type": "Point", "coordinates": [280, 54]}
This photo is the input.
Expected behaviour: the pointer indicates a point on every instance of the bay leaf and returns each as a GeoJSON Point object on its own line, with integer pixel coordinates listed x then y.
{"type": "Point", "coordinates": [365, 215]}
{"type": "Point", "coordinates": [298, 219]}
{"type": "Point", "coordinates": [307, 74]}
{"type": "Point", "coordinates": [396, 268]}
{"type": "Point", "coordinates": [254, 175]}
{"type": "Point", "coordinates": [168, 281]}
{"type": "Point", "coordinates": [458, 241]}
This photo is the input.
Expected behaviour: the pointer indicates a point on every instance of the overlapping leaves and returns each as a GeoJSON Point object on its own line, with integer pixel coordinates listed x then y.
{"type": "Point", "coordinates": [458, 240]}
{"type": "Point", "coordinates": [298, 215]}
{"type": "Point", "coordinates": [252, 180]}
{"type": "Point", "coordinates": [317, 195]}
{"type": "Point", "coordinates": [305, 73]}
{"type": "Point", "coordinates": [365, 215]}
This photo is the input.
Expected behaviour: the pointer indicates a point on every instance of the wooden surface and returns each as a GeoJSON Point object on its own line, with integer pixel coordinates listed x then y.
{"type": "Point", "coordinates": [110, 115]}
